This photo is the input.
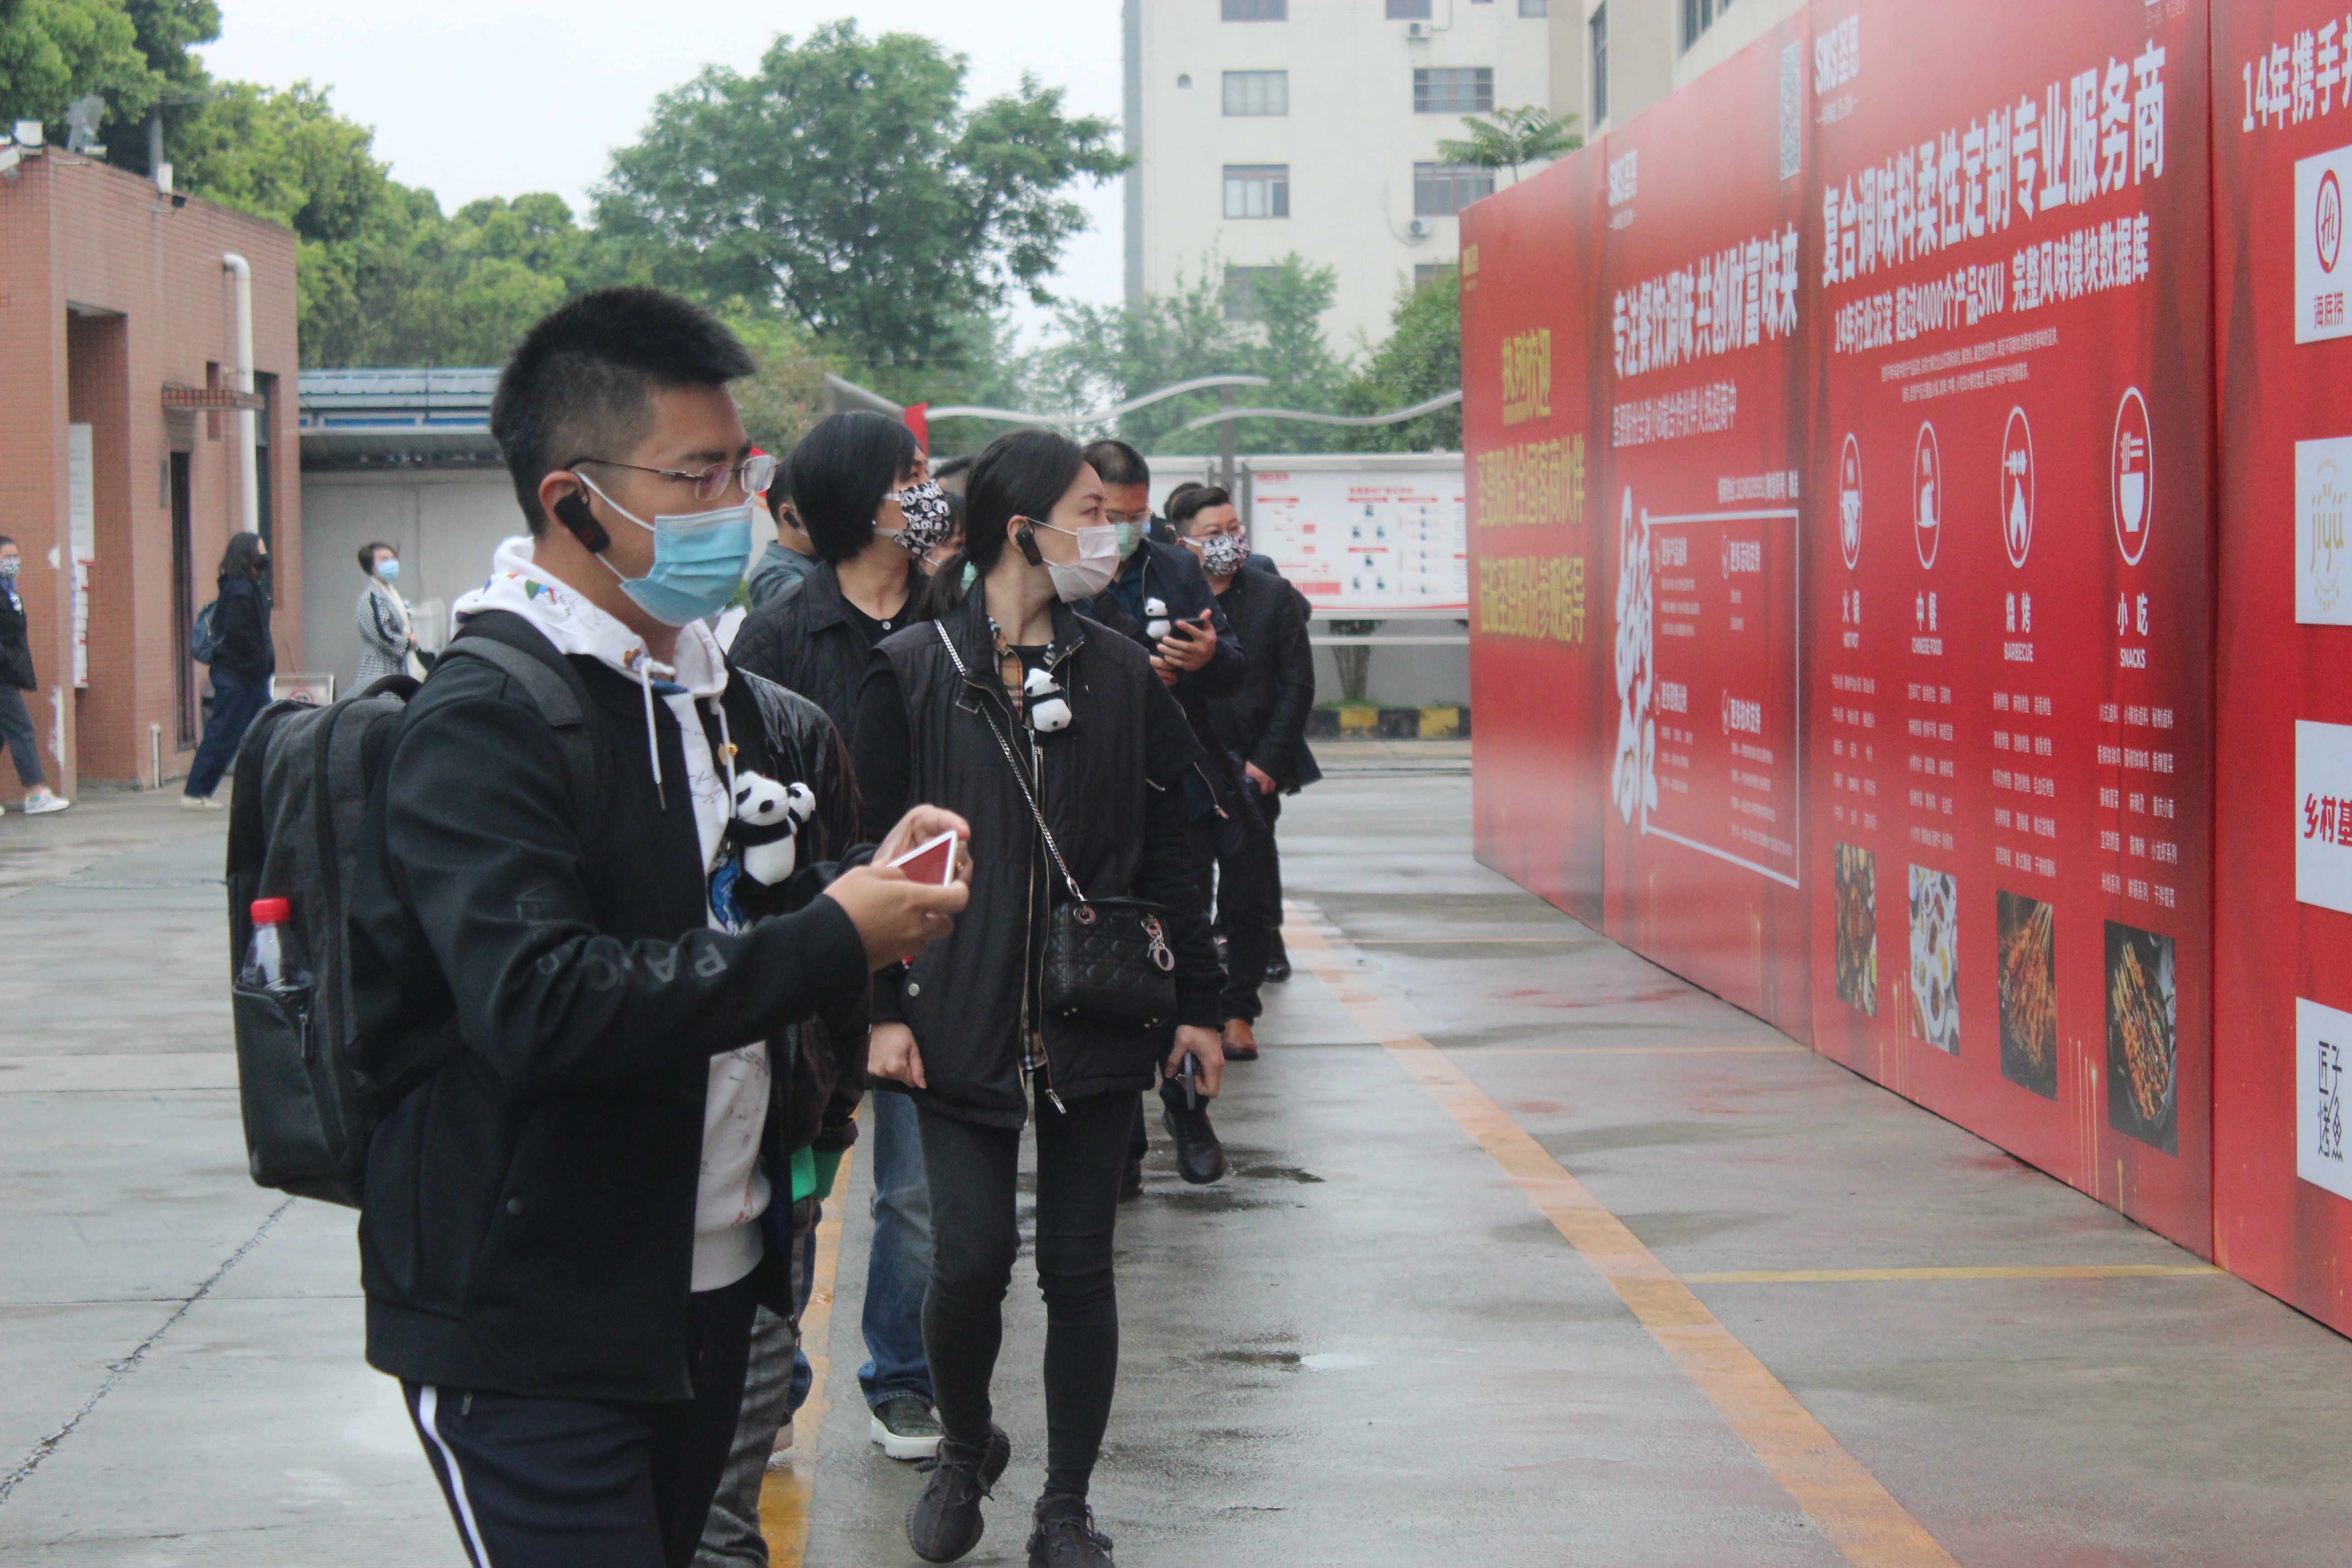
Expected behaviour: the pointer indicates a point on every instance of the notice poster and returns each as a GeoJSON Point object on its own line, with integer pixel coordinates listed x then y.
{"type": "Point", "coordinates": [1540, 647]}
{"type": "Point", "coordinates": [1365, 543]}
{"type": "Point", "coordinates": [1702, 506]}
{"type": "Point", "coordinates": [2007, 539]}
{"type": "Point", "coordinates": [2282, 139]}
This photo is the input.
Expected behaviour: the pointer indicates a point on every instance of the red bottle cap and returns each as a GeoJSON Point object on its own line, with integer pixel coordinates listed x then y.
{"type": "Point", "coordinates": [271, 911]}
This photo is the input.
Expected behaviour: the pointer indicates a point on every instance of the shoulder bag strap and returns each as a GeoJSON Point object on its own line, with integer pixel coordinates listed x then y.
{"type": "Point", "coordinates": [1020, 774]}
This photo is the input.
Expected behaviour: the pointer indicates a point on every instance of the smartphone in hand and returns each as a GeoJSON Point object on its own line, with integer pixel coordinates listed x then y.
{"type": "Point", "coordinates": [932, 861]}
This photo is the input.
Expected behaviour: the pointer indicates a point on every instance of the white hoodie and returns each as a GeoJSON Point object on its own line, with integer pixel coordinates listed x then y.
{"type": "Point", "coordinates": [733, 1189]}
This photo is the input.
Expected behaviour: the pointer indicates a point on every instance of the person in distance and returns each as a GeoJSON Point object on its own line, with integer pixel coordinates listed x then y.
{"type": "Point", "coordinates": [1009, 697]}
{"type": "Point", "coordinates": [559, 954]}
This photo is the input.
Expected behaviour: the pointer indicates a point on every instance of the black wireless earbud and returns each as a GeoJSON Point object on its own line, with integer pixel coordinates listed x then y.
{"type": "Point", "coordinates": [573, 511]}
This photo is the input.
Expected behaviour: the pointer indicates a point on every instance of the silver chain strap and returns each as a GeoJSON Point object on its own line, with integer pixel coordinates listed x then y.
{"type": "Point", "coordinates": [1020, 775]}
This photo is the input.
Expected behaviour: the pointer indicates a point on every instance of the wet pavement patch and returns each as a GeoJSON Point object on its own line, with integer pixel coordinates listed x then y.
{"type": "Point", "coordinates": [1277, 1173]}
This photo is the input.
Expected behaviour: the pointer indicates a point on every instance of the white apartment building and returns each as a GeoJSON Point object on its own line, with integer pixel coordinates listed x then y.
{"type": "Point", "coordinates": [1264, 127]}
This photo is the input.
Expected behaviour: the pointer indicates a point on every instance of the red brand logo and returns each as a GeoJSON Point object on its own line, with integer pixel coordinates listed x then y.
{"type": "Point", "coordinates": [2327, 226]}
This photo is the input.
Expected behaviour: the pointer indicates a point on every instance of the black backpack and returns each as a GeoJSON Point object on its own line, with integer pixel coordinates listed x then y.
{"type": "Point", "coordinates": [297, 829]}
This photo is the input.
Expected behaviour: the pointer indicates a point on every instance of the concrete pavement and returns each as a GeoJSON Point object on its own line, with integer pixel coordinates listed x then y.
{"type": "Point", "coordinates": [1532, 1254]}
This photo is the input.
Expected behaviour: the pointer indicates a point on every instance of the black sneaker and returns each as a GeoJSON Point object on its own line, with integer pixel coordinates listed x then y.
{"type": "Point", "coordinates": [1277, 970]}
{"type": "Point", "coordinates": [1065, 1536]}
{"type": "Point", "coordinates": [944, 1522]}
{"type": "Point", "coordinates": [1199, 1158]}
{"type": "Point", "coordinates": [904, 1427]}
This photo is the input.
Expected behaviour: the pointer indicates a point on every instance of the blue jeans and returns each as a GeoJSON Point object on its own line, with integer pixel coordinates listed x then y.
{"type": "Point", "coordinates": [236, 701]}
{"type": "Point", "coordinates": [899, 1266]}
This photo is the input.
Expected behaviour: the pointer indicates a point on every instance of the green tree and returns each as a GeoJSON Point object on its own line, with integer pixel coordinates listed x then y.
{"type": "Point", "coordinates": [845, 181]}
{"type": "Point", "coordinates": [1528, 134]}
{"type": "Point", "coordinates": [1109, 353]}
{"type": "Point", "coordinates": [1421, 357]}
{"type": "Point", "coordinates": [55, 51]}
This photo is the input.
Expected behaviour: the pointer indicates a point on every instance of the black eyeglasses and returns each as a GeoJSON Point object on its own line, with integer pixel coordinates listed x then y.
{"type": "Point", "coordinates": [753, 474]}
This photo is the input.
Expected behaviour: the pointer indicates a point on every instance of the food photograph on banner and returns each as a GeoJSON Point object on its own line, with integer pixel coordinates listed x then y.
{"type": "Point", "coordinates": [2281, 137]}
{"type": "Point", "coordinates": [1541, 649]}
{"type": "Point", "coordinates": [2009, 576]}
{"type": "Point", "coordinates": [1702, 506]}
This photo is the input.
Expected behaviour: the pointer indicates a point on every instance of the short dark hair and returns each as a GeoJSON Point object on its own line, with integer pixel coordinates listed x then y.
{"type": "Point", "coordinates": [243, 556]}
{"type": "Point", "coordinates": [5, 540]}
{"type": "Point", "coordinates": [1192, 500]}
{"type": "Point", "coordinates": [949, 468]}
{"type": "Point", "coordinates": [840, 474]}
{"type": "Point", "coordinates": [367, 555]}
{"type": "Point", "coordinates": [584, 376]}
{"type": "Point", "coordinates": [1117, 463]}
{"type": "Point", "coordinates": [1022, 474]}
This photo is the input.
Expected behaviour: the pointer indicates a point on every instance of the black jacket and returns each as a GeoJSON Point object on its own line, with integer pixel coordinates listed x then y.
{"type": "Point", "coordinates": [241, 631]}
{"type": "Point", "coordinates": [529, 1219]}
{"type": "Point", "coordinates": [806, 641]}
{"type": "Point", "coordinates": [1172, 574]}
{"type": "Point", "coordinates": [15, 642]}
{"type": "Point", "coordinates": [1112, 791]}
{"type": "Point", "coordinates": [1264, 722]}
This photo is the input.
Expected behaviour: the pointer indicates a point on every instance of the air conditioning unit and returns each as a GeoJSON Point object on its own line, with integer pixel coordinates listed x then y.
{"type": "Point", "coordinates": [1419, 32]}
{"type": "Point", "coordinates": [1420, 228]}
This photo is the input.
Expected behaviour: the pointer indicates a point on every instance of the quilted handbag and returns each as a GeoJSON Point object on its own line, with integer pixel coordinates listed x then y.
{"type": "Point", "coordinates": [1107, 961]}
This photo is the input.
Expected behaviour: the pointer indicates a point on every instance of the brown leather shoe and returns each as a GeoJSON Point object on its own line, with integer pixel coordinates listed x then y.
{"type": "Point", "coordinates": [1240, 1041]}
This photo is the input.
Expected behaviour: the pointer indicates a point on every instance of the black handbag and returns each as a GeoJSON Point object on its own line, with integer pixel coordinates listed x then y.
{"type": "Point", "coordinates": [1107, 961]}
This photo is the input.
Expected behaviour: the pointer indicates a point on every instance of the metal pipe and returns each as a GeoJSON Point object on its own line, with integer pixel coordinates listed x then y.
{"type": "Point", "coordinates": [237, 266]}
{"type": "Point", "coordinates": [155, 755]}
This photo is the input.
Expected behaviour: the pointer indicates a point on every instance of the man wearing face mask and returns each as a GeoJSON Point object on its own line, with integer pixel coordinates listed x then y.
{"type": "Point", "coordinates": [568, 977]}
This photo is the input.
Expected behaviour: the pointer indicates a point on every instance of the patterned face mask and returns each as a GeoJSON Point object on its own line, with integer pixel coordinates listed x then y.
{"type": "Point", "coordinates": [928, 520]}
{"type": "Point", "coordinates": [1222, 554]}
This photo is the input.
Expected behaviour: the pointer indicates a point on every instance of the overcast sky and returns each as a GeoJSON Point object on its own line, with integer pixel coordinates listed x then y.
{"type": "Point", "coordinates": [474, 97]}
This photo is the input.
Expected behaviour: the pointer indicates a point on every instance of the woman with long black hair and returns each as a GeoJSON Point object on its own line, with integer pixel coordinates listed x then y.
{"type": "Point", "coordinates": [244, 656]}
{"type": "Point", "coordinates": [1054, 739]}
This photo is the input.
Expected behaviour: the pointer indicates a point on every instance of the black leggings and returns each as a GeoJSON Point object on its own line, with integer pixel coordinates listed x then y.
{"type": "Point", "coordinates": [974, 1174]}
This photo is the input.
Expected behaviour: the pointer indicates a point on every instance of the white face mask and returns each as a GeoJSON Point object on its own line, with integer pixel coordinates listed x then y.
{"type": "Point", "coordinates": [1096, 564]}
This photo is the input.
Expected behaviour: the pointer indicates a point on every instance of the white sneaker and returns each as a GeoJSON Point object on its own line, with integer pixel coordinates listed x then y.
{"type": "Point", "coordinates": [199, 803]}
{"type": "Point", "coordinates": [41, 804]}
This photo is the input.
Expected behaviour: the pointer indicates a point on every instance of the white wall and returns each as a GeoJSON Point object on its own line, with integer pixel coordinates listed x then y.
{"type": "Point", "coordinates": [1350, 138]}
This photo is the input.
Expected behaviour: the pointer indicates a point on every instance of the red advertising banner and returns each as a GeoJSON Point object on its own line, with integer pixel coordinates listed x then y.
{"type": "Point", "coordinates": [2008, 712]}
{"type": "Point", "coordinates": [1539, 651]}
{"type": "Point", "coordinates": [2281, 128]}
{"type": "Point", "coordinates": [1702, 505]}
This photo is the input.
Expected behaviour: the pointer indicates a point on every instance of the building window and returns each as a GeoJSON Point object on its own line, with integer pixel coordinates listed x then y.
{"type": "Point", "coordinates": [1258, 190]}
{"type": "Point", "coordinates": [1257, 10]}
{"type": "Point", "coordinates": [1599, 28]}
{"type": "Point", "coordinates": [1408, 10]}
{"type": "Point", "coordinates": [1243, 303]}
{"type": "Point", "coordinates": [1428, 272]}
{"type": "Point", "coordinates": [1698, 15]}
{"type": "Point", "coordinates": [1454, 89]}
{"type": "Point", "coordinates": [1440, 190]}
{"type": "Point", "coordinates": [1257, 93]}
{"type": "Point", "coordinates": [1535, 7]}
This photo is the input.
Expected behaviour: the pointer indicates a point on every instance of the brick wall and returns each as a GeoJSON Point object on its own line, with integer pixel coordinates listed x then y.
{"type": "Point", "coordinates": [110, 294]}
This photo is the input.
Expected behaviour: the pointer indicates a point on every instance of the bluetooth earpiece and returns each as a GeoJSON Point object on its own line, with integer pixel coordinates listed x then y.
{"type": "Point", "coordinates": [1025, 536]}
{"type": "Point", "coordinates": [573, 511]}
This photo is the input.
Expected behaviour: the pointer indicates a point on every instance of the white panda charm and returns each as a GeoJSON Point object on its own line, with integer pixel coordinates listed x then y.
{"type": "Point", "coordinates": [1049, 710]}
{"type": "Point", "coordinates": [1155, 622]}
{"type": "Point", "coordinates": [767, 823]}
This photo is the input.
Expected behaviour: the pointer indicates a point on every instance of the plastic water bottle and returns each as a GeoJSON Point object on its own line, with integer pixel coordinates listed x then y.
{"type": "Point", "coordinates": [274, 958]}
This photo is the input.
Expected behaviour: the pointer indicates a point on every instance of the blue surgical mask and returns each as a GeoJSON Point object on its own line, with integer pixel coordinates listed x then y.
{"type": "Point", "coordinates": [1131, 534]}
{"type": "Point", "coordinates": [387, 569]}
{"type": "Point", "coordinates": [699, 559]}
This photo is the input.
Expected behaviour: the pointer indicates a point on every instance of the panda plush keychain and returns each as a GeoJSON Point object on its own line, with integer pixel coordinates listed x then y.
{"type": "Point", "coordinates": [1041, 695]}
{"type": "Point", "coordinates": [1155, 618]}
{"type": "Point", "coordinates": [767, 823]}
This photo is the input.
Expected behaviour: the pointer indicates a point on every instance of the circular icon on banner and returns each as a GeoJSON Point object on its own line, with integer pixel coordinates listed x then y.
{"type": "Point", "coordinates": [1850, 502]}
{"type": "Point", "coordinates": [2132, 467]}
{"type": "Point", "coordinates": [2017, 487]}
{"type": "Point", "coordinates": [1926, 496]}
{"type": "Point", "coordinates": [2328, 222]}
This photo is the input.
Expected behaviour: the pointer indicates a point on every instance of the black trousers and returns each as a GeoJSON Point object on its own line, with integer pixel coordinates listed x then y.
{"type": "Point", "coordinates": [974, 1173]}
{"type": "Point", "coordinates": [587, 1483]}
{"type": "Point", "coordinates": [17, 729]}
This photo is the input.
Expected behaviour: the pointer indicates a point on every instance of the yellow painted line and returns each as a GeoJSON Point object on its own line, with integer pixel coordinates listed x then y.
{"type": "Point", "coordinates": [1995, 1271]}
{"type": "Point", "coordinates": [787, 1494]}
{"type": "Point", "coordinates": [1843, 1499]}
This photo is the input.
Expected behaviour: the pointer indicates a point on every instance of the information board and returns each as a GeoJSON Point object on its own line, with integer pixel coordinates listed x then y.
{"type": "Point", "coordinates": [1365, 543]}
{"type": "Point", "coordinates": [2282, 134]}
{"type": "Point", "coordinates": [2010, 702]}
